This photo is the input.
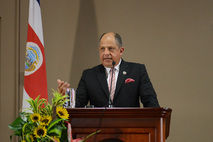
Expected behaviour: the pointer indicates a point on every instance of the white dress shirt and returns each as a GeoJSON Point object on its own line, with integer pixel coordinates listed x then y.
{"type": "Point", "coordinates": [116, 72]}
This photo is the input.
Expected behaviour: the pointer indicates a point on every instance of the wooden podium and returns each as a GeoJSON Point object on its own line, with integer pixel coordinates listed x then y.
{"type": "Point", "coordinates": [121, 124]}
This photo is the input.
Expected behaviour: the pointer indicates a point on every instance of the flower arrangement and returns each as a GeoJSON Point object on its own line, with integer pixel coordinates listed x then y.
{"type": "Point", "coordinates": [45, 122]}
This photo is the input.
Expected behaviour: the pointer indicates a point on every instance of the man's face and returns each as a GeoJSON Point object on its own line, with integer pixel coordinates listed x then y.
{"type": "Point", "coordinates": [109, 50]}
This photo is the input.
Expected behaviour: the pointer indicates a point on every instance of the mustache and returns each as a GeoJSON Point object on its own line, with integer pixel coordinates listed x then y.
{"type": "Point", "coordinates": [107, 57]}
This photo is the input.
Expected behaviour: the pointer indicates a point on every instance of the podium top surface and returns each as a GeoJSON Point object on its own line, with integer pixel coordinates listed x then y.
{"type": "Point", "coordinates": [120, 112]}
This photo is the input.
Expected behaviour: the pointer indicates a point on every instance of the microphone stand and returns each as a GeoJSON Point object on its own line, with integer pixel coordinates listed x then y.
{"type": "Point", "coordinates": [110, 105]}
{"type": "Point", "coordinates": [110, 101]}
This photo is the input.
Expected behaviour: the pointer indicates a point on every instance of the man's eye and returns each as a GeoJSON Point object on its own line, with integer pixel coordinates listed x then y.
{"type": "Point", "coordinates": [111, 49]}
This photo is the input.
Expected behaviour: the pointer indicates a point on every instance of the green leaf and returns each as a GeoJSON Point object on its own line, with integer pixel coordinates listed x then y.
{"type": "Point", "coordinates": [58, 99]}
{"type": "Point", "coordinates": [28, 127]}
{"type": "Point", "coordinates": [53, 123]}
{"type": "Point", "coordinates": [15, 128]}
{"type": "Point", "coordinates": [24, 116]}
{"type": "Point", "coordinates": [18, 133]}
{"type": "Point", "coordinates": [32, 104]}
{"type": "Point", "coordinates": [91, 135]}
{"type": "Point", "coordinates": [55, 131]}
{"type": "Point", "coordinates": [17, 121]}
{"type": "Point", "coordinates": [17, 124]}
{"type": "Point", "coordinates": [64, 137]}
{"type": "Point", "coordinates": [27, 137]}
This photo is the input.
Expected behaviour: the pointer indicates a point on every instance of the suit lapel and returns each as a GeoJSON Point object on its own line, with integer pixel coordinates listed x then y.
{"type": "Point", "coordinates": [123, 71]}
{"type": "Point", "coordinates": [101, 75]}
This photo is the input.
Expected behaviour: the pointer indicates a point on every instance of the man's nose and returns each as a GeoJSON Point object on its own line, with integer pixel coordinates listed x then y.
{"type": "Point", "coordinates": [106, 51]}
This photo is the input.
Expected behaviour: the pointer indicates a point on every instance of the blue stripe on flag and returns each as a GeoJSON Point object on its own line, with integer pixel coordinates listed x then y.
{"type": "Point", "coordinates": [38, 2]}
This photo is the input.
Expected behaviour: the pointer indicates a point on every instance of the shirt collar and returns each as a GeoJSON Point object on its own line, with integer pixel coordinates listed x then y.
{"type": "Point", "coordinates": [117, 67]}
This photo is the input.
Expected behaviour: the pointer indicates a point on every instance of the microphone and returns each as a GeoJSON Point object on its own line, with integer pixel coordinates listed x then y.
{"type": "Point", "coordinates": [113, 63]}
{"type": "Point", "coordinates": [110, 101]}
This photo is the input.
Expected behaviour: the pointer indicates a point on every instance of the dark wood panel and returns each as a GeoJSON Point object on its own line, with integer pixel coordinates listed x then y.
{"type": "Point", "coordinates": [124, 124]}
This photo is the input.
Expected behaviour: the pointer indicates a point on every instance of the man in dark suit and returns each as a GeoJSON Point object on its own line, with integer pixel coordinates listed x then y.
{"type": "Point", "coordinates": [131, 79]}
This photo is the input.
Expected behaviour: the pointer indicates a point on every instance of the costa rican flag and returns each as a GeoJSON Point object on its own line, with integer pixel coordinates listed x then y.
{"type": "Point", "coordinates": [35, 80]}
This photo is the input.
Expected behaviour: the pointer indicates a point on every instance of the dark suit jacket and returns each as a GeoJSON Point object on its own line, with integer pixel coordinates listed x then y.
{"type": "Point", "coordinates": [93, 86]}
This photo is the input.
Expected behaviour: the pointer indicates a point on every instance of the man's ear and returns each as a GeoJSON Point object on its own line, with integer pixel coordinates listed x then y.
{"type": "Point", "coordinates": [121, 50]}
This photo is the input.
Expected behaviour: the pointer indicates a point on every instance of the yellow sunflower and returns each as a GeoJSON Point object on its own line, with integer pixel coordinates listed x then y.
{"type": "Point", "coordinates": [23, 141]}
{"type": "Point", "coordinates": [40, 131]}
{"type": "Point", "coordinates": [62, 112]}
{"type": "Point", "coordinates": [45, 120]}
{"type": "Point", "coordinates": [35, 117]}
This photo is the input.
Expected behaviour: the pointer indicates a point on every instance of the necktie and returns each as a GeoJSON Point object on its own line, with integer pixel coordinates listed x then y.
{"type": "Point", "coordinates": [111, 83]}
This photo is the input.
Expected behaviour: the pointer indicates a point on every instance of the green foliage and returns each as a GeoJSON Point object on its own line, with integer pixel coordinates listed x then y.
{"type": "Point", "coordinates": [24, 127]}
{"type": "Point", "coordinates": [59, 99]}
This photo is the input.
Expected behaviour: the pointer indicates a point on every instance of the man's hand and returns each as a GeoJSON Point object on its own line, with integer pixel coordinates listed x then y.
{"type": "Point", "coordinates": [62, 86]}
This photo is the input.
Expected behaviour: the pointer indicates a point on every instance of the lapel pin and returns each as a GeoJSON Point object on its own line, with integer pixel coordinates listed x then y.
{"type": "Point", "coordinates": [124, 72]}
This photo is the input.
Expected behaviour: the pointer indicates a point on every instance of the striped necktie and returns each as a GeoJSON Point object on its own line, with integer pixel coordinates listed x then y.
{"type": "Point", "coordinates": [111, 83]}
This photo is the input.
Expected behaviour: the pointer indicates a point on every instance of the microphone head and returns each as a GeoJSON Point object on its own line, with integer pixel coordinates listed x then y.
{"type": "Point", "coordinates": [113, 63]}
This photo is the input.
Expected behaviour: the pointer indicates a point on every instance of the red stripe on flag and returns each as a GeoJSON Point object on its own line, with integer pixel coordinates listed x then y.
{"type": "Point", "coordinates": [36, 83]}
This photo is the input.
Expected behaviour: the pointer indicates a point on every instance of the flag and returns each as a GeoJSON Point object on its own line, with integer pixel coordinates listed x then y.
{"type": "Point", "coordinates": [35, 80]}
